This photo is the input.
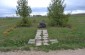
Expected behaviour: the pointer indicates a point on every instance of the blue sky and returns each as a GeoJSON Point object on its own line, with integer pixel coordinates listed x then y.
{"type": "Point", "coordinates": [8, 7]}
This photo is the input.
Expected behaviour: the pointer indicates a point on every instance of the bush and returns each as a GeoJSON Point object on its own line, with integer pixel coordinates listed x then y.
{"type": "Point", "coordinates": [59, 21]}
{"type": "Point", "coordinates": [64, 20]}
{"type": "Point", "coordinates": [24, 23]}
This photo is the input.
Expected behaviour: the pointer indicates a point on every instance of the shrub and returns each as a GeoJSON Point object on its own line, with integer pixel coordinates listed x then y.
{"type": "Point", "coordinates": [24, 23]}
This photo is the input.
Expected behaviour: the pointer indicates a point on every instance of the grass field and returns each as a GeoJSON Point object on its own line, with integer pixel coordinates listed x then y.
{"type": "Point", "coordinates": [69, 38]}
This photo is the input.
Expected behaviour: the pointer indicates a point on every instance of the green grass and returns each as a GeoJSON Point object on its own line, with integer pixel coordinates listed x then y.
{"type": "Point", "coordinates": [69, 38]}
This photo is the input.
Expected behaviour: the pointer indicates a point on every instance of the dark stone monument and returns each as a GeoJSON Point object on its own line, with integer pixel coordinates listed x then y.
{"type": "Point", "coordinates": [42, 24]}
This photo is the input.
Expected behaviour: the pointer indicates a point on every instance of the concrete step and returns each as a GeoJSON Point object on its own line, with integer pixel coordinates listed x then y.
{"type": "Point", "coordinates": [45, 33]}
{"type": "Point", "coordinates": [42, 40]}
{"type": "Point", "coordinates": [38, 33]}
{"type": "Point", "coordinates": [31, 41]}
{"type": "Point", "coordinates": [38, 37]}
{"type": "Point", "coordinates": [39, 30]}
{"type": "Point", "coordinates": [53, 41]}
{"type": "Point", "coordinates": [45, 42]}
{"type": "Point", "coordinates": [45, 37]}
{"type": "Point", "coordinates": [38, 42]}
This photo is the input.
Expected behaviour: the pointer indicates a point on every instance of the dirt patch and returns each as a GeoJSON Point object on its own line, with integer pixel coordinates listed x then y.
{"type": "Point", "coordinates": [57, 52]}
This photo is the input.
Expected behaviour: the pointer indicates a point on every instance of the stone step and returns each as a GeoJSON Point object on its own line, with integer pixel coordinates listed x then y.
{"type": "Point", "coordinates": [45, 44]}
{"type": "Point", "coordinates": [53, 41]}
{"type": "Point", "coordinates": [38, 37]}
{"type": "Point", "coordinates": [38, 42]}
{"type": "Point", "coordinates": [45, 41]}
{"type": "Point", "coordinates": [45, 36]}
{"type": "Point", "coordinates": [45, 33]}
{"type": "Point", "coordinates": [31, 41]}
{"type": "Point", "coordinates": [42, 38]}
{"type": "Point", "coordinates": [38, 32]}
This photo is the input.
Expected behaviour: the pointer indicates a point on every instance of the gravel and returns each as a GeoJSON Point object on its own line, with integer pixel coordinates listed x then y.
{"type": "Point", "coordinates": [57, 52]}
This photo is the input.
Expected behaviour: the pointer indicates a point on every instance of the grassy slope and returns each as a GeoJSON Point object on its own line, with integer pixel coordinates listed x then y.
{"type": "Point", "coordinates": [68, 38]}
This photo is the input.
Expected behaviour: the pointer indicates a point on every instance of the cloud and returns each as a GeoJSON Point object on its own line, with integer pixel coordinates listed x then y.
{"type": "Point", "coordinates": [39, 3]}
{"type": "Point", "coordinates": [39, 13]}
{"type": "Point", "coordinates": [31, 3]}
{"type": "Point", "coordinates": [75, 12]}
{"type": "Point", "coordinates": [78, 11]}
{"type": "Point", "coordinates": [75, 4]}
{"type": "Point", "coordinates": [8, 3]}
{"type": "Point", "coordinates": [8, 7]}
{"type": "Point", "coordinates": [40, 9]}
{"type": "Point", "coordinates": [7, 12]}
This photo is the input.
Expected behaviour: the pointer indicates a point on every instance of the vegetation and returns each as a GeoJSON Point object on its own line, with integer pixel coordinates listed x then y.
{"type": "Point", "coordinates": [69, 38]}
{"type": "Point", "coordinates": [24, 11]}
{"type": "Point", "coordinates": [56, 13]}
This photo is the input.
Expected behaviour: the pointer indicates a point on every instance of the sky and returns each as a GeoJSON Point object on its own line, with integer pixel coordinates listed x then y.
{"type": "Point", "coordinates": [39, 7]}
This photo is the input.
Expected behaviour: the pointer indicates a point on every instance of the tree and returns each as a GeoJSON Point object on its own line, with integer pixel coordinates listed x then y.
{"type": "Point", "coordinates": [56, 13]}
{"type": "Point", "coordinates": [23, 10]}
